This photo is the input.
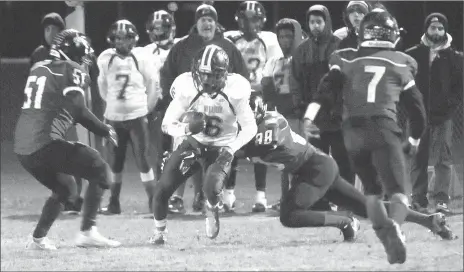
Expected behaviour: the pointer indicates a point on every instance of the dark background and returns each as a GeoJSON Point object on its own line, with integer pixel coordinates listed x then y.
{"type": "Point", "coordinates": [22, 32]}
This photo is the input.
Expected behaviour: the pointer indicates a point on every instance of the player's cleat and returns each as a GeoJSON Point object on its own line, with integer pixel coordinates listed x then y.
{"type": "Point", "coordinates": [92, 238]}
{"type": "Point", "coordinates": [40, 243]}
{"type": "Point", "coordinates": [258, 208]}
{"type": "Point", "coordinates": [159, 238]}
{"type": "Point", "coordinates": [212, 220]}
{"type": "Point", "coordinates": [114, 207]}
{"type": "Point", "coordinates": [176, 205]}
{"type": "Point", "coordinates": [73, 208]}
{"type": "Point", "coordinates": [350, 230]}
{"type": "Point", "coordinates": [442, 207]}
{"type": "Point", "coordinates": [440, 227]}
{"type": "Point", "coordinates": [198, 203]}
{"type": "Point", "coordinates": [275, 206]}
{"type": "Point", "coordinates": [393, 241]}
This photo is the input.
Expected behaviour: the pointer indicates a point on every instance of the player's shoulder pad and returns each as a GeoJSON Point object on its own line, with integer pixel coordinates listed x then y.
{"type": "Point", "coordinates": [233, 35]}
{"type": "Point", "coordinates": [268, 36]}
{"type": "Point", "coordinates": [183, 84]}
{"type": "Point", "coordinates": [346, 53]}
{"type": "Point", "coordinates": [238, 87]}
{"type": "Point", "coordinates": [105, 55]}
{"type": "Point", "coordinates": [408, 60]}
{"type": "Point", "coordinates": [176, 40]}
{"type": "Point", "coordinates": [150, 47]}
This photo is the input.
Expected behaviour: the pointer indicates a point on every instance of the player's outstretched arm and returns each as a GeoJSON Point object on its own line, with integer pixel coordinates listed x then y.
{"type": "Point", "coordinates": [413, 100]}
{"type": "Point", "coordinates": [83, 115]}
{"type": "Point", "coordinates": [247, 122]}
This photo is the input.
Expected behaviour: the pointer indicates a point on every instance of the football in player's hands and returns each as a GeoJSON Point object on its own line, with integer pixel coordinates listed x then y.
{"type": "Point", "coordinates": [112, 136]}
{"type": "Point", "coordinates": [310, 130]}
{"type": "Point", "coordinates": [196, 121]}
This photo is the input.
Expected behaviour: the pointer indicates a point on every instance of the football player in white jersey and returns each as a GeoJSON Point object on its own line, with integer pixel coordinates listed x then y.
{"type": "Point", "coordinates": [161, 29]}
{"type": "Point", "coordinates": [128, 85]}
{"type": "Point", "coordinates": [257, 47]}
{"type": "Point", "coordinates": [208, 107]}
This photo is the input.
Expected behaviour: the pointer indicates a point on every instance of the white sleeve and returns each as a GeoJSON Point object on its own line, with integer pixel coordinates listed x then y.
{"type": "Point", "coordinates": [151, 81]}
{"type": "Point", "coordinates": [101, 81]}
{"type": "Point", "coordinates": [171, 124]}
{"type": "Point", "coordinates": [274, 48]}
{"type": "Point", "coordinates": [246, 119]}
{"type": "Point", "coordinates": [269, 67]}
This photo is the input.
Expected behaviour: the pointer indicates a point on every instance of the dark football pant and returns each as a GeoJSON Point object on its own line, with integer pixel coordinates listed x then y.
{"type": "Point", "coordinates": [54, 166]}
{"type": "Point", "coordinates": [318, 180]}
{"type": "Point", "coordinates": [376, 150]}
{"type": "Point", "coordinates": [136, 132]}
{"type": "Point", "coordinates": [187, 159]}
{"type": "Point", "coordinates": [157, 146]}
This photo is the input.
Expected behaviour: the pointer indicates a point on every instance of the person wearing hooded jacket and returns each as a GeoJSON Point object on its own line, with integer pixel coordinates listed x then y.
{"type": "Point", "coordinates": [206, 31]}
{"type": "Point", "coordinates": [52, 24]}
{"type": "Point", "coordinates": [308, 66]}
{"type": "Point", "coordinates": [439, 79]}
{"type": "Point", "coordinates": [352, 16]}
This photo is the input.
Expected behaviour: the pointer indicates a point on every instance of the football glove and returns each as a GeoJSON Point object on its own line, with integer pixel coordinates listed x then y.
{"type": "Point", "coordinates": [411, 147]}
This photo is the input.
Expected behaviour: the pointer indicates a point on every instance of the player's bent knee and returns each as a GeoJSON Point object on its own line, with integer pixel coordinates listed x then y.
{"type": "Point", "coordinates": [400, 198]}
{"type": "Point", "coordinates": [60, 197]}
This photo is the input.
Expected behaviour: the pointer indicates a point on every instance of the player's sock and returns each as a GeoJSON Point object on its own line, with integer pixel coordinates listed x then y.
{"type": "Point", "coordinates": [398, 208]}
{"type": "Point", "coordinates": [376, 211]}
{"type": "Point", "coordinates": [230, 182]}
{"type": "Point", "coordinates": [116, 186]}
{"type": "Point", "coordinates": [78, 186]}
{"type": "Point", "coordinates": [419, 218]}
{"type": "Point", "coordinates": [261, 197]}
{"type": "Point", "coordinates": [92, 201]}
{"type": "Point", "coordinates": [50, 211]}
{"type": "Point", "coordinates": [160, 225]}
{"type": "Point", "coordinates": [147, 180]}
{"type": "Point", "coordinates": [260, 176]}
{"type": "Point", "coordinates": [309, 218]}
{"type": "Point", "coordinates": [197, 182]}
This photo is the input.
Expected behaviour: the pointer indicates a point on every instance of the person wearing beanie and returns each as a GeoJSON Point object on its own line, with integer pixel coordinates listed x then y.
{"type": "Point", "coordinates": [352, 16]}
{"type": "Point", "coordinates": [206, 31]}
{"type": "Point", "coordinates": [439, 78]}
{"type": "Point", "coordinates": [52, 24]}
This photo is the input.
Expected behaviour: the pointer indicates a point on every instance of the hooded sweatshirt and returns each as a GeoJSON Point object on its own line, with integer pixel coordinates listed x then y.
{"type": "Point", "coordinates": [439, 78]}
{"type": "Point", "coordinates": [276, 76]}
{"type": "Point", "coordinates": [179, 59]}
{"type": "Point", "coordinates": [41, 52]}
{"type": "Point", "coordinates": [309, 64]}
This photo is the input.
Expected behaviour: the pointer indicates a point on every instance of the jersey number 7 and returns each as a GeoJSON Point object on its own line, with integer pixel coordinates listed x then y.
{"type": "Point", "coordinates": [125, 81]}
{"type": "Point", "coordinates": [378, 72]}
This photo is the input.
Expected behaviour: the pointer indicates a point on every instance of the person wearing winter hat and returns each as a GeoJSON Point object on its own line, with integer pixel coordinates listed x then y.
{"type": "Point", "coordinates": [206, 31]}
{"type": "Point", "coordinates": [439, 78]}
{"type": "Point", "coordinates": [52, 24]}
{"type": "Point", "coordinates": [352, 16]}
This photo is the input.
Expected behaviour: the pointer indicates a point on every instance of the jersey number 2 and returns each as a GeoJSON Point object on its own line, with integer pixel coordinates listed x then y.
{"type": "Point", "coordinates": [378, 72]}
{"type": "Point", "coordinates": [125, 81]}
{"type": "Point", "coordinates": [35, 85]}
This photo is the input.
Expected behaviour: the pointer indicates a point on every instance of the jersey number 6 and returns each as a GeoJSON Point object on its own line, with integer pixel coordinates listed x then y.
{"type": "Point", "coordinates": [213, 126]}
{"type": "Point", "coordinates": [125, 81]}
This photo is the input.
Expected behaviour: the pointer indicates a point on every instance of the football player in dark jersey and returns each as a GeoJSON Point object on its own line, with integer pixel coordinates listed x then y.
{"type": "Point", "coordinates": [315, 176]}
{"type": "Point", "coordinates": [54, 102]}
{"type": "Point", "coordinates": [373, 80]}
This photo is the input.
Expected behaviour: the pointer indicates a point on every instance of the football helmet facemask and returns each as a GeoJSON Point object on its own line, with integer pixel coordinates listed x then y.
{"type": "Point", "coordinates": [250, 17]}
{"type": "Point", "coordinates": [209, 69]}
{"type": "Point", "coordinates": [123, 36]}
{"type": "Point", "coordinates": [161, 27]}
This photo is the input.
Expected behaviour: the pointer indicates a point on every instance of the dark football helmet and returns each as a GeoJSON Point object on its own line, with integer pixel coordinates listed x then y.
{"type": "Point", "coordinates": [161, 27]}
{"type": "Point", "coordinates": [251, 17]}
{"type": "Point", "coordinates": [379, 29]}
{"type": "Point", "coordinates": [73, 45]}
{"type": "Point", "coordinates": [209, 69]}
{"type": "Point", "coordinates": [123, 36]}
{"type": "Point", "coordinates": [258, 106]}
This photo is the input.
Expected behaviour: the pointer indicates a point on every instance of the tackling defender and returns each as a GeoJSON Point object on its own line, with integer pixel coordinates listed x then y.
{"type": "Point", "coordinates": [208, 107]}
{"type": "Point", "coordinates": [257, 48]}
{"type": "Point", "coordinates": [315, 176]}
{"type": "Point", "coordinates": [54, 103]}
{"type": "Point", "coordinates": [129, 86]}
{"type": "Point", "coordinates": [374, 79]}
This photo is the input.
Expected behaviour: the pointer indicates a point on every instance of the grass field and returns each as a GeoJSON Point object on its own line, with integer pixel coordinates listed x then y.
{"type": "Point", "coordinates": [246, 241]}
